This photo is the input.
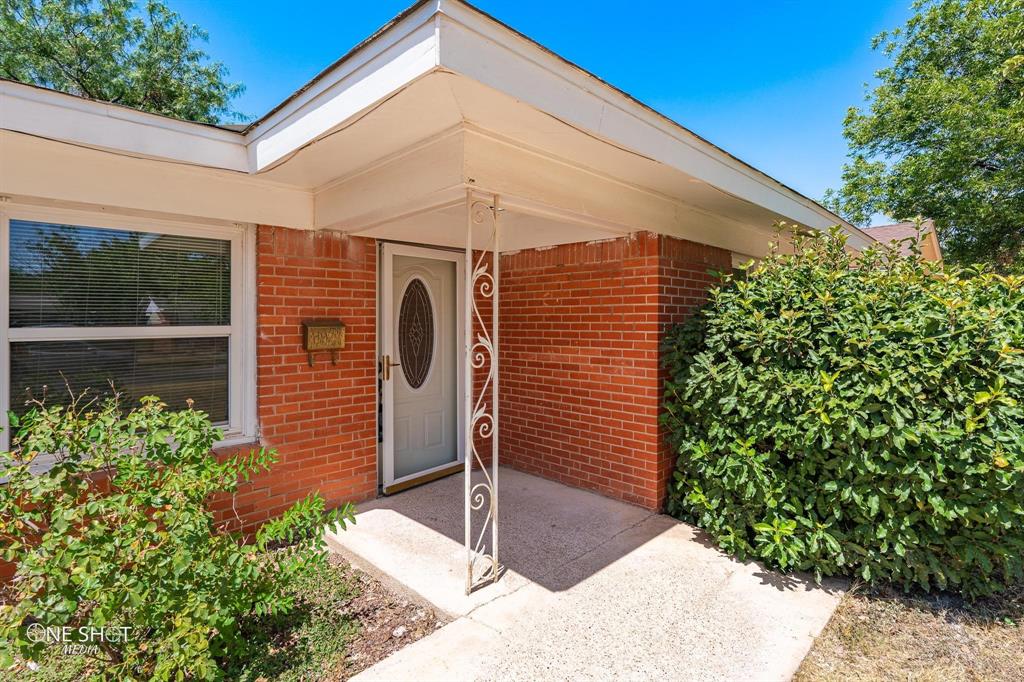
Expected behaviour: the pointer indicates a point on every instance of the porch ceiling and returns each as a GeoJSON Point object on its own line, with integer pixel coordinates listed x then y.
{"type": "Point", "coordinates": [523, 226]}
{"type": "Point", "coordinates": [400, 171]}
{"type": "Point", "coordinates": [444, 66]}
{"type": "Point", "coordinates": [441, 102]}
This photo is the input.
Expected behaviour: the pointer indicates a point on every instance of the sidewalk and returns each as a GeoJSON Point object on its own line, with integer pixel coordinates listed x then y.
{"type": "Point", "coordinates": [595, 589]}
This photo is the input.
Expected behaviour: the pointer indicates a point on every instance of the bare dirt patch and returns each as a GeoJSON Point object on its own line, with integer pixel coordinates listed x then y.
{"type": "Point", "coordinates": [885, 634]}
{"type": "Point", "coordinates": [387, 621]}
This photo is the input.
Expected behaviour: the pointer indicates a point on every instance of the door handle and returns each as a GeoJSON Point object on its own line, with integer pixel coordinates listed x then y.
{"type": "Point", "coordinates": [386, 364]}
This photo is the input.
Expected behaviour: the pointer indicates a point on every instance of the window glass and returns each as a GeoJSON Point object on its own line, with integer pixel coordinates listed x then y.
{"type": "Point", "coordinates": [67, 276]}
{"type": "Point", "coordinates": [99, 311]}
{"type": "Point", "coordinates": [416, 333]}
{"type": "Point", "coordinates": [173, 369]}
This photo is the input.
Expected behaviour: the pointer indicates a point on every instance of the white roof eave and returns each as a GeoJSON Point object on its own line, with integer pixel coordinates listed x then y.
{"type": "Point", "coordinates": [480, 47]}
{"type": "Point", "coordinates": [58, 116]}
{"type": "Point", "coordinates": [447, 35]}
{"type": "Point", "coordinates": [405, 50]}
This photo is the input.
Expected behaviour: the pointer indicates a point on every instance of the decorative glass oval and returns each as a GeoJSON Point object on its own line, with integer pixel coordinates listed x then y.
{"type": "Point", "coordinates": [416, 333]}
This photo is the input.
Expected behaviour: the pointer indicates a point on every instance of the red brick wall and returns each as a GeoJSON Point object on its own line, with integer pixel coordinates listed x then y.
{"type": "Point", "coordinates": [581, 381]}
{"type": "Point", "coordinates": [322, 420]}
{"type": "Point", "coordinates": [684, 279]}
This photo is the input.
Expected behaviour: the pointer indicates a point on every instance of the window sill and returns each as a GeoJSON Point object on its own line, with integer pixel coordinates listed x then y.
{"type": "Point", "coordinates": [229, 445]}
{"type": "Point", "coordinates": [232, 443]}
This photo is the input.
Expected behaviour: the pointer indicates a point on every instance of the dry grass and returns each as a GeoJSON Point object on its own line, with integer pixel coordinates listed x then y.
{"type": "Point", "coordinates": [884, 634]}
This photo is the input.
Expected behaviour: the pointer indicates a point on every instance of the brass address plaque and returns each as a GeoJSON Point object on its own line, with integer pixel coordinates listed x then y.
{"type": "Point", "coordinates": [323, 335]}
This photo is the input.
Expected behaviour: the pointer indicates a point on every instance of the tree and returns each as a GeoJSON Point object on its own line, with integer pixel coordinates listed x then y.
{"type": "Point", "coordinates": [942, 134]}
{"type": "Point", "coordinates": [111, 50]}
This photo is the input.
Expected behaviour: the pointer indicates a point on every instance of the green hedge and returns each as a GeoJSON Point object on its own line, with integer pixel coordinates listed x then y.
{"type": "Point", "coordinates": [855, 417]}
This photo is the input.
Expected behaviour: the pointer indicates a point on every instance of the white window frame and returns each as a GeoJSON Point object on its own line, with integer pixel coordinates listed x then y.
{"type": "Point", "coordinates": [241, 333]}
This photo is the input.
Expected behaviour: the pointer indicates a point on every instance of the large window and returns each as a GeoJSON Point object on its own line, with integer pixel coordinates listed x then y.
{"type": "Point", "coordinates": [97, 307]}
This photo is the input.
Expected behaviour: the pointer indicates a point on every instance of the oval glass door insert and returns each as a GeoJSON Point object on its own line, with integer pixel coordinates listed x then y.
{"type": "Point", "coordinates": [416, 333]}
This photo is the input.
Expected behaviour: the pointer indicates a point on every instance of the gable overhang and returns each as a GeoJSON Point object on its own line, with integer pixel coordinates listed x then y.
{"type": "Point", "coordinates": [441, 99]}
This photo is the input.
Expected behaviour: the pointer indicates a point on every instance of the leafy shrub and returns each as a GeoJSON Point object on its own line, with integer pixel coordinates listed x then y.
{"type": "Point", "coordinates": [119, 532]}
{"type": "Point", "coordinates": [855, 415]}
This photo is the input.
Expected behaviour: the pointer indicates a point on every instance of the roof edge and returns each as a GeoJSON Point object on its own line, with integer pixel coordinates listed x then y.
{"type": "Point", "coordinates": [814, 204]}
{"type": "Point", "coordinates": [408, 11]}
{"type": "Point", "coordinates": [131, 112]}
{"type": "Point", "coordinates": [240, 136]}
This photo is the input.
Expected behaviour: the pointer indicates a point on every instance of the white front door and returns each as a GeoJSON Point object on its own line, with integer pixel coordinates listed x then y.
{"type": "Point", "coordinates": [421, 360]}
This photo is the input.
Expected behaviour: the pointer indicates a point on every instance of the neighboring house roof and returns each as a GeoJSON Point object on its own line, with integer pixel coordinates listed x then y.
{"type": "Point", "coordinates": [901, 232]}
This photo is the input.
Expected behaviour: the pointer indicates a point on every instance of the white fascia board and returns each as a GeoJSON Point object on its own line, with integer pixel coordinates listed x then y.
{"type": "Point", "coordinates": [382, 67]}
{"type": "Point", "coordinates": [51, 172]}
{"type": "Point", "coordinates": [59, 116]}
{"type": "Point", "coordinates": [478, 47]}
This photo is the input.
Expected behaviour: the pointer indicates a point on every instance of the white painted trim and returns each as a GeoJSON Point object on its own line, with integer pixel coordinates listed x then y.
{"type": "Point", "coordinates": [387, 351]}
{"type": "Point", "coordinates": [387, 347]}
{"type": "Point", "coordinates": [35, 334]}
{"type": "Point", "coordinates": [420, 206]}
{"type": "Point", "coordinates": [117, 221]}
{"type": "Point", "coordinates": [56, 115]}
{"type": "Point", "coordinates": [386, 67]}
{"type": "Point", "coordinates": [602, 109]}
{"type": "Point", "coordinates": [242, 409]}
{"type": "Point", "coordinates": [42, 95]}
{"type": "Point", "coordinates": [479, 132]}
{"type": "Point", "coordinates": [378, 354]}
{"type": "Point", "coordinates": [427, 173]}
{"type": "Point", "coordinates": [247, 334]}
{"type": "Point", "coordinates": [454, 131]}
{"type": "Point", "coordinates": [541, 210]}
{"type": "Point", "coordinates": [362, 56]}
{"type": "Point", "coordinates": [53, 173]}
{"type": "Point", "coordinates": [236, 365]}
{"type": "Point", "coordinates": [5, 348]}
{"type": "Point", "coordinates": [438, 35]}
{"type": "Point", "coordinates": [349, 210]}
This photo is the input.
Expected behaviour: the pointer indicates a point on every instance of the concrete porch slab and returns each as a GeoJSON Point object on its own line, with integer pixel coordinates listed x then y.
{"type": "Point", "coordinates": [415, 538]}
{"type": "Point", "coordinates": [595, 589]}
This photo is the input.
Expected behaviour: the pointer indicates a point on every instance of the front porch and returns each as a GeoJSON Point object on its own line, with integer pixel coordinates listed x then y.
{"type": "Point", "coordinates": [592, 588]}
{"type": "Point", "coordinates": [585, 224]}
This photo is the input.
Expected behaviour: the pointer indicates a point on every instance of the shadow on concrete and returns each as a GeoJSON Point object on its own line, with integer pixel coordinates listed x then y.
{"type": "Point", "coordinates": [544, 526]}
{"type": "Point", "coordinates": [552, 534]}
{"type": "Point", "coordinates": [784, 582]}
{"type": "Point", "coordinates": [789, 582]}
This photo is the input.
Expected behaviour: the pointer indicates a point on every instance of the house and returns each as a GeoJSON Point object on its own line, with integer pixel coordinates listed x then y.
{"type": "Point", "coordinates": [205, 262]}
{"type": "Point", "coordinates": [906, 234]}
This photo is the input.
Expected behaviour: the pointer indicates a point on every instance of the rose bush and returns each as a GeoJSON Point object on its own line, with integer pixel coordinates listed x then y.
{"type": "Point", "coordinates": [119, 533]}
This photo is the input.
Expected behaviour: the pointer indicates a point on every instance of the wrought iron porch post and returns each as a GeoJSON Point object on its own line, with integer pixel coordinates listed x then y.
{"type": "Point", "coordinates": [481, 353]}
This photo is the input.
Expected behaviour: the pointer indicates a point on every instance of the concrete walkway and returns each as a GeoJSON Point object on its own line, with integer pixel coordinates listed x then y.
{"type": "Point", "coordinates": [594, 589]}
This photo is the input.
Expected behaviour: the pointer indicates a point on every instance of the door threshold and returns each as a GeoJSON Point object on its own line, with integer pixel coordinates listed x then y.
{"type": "Point", "coordinates": [433, 475]}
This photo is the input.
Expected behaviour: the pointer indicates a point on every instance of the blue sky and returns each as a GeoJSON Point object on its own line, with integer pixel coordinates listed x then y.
{"type": "Point", "coordinates": [769, 81]}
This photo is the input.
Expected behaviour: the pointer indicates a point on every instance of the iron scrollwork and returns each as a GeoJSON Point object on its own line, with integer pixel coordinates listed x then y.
{"type": "Point", "coordinates": [482, 561]}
